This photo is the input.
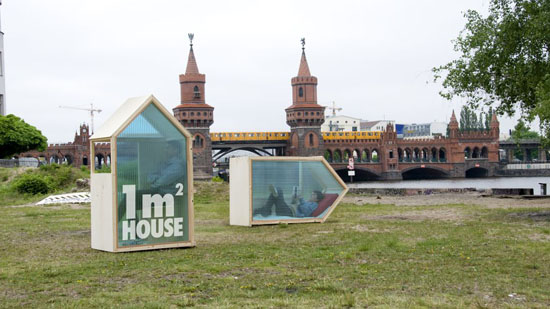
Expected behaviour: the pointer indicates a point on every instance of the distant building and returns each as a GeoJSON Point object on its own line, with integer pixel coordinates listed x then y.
{"type": "Point", "coordinates": [376, 125]}
{"type": "Point", "coordinates": [340, 123]}
{"type": "Point", "coordinates": [2, 81]}
{"type": "Point", "coordinates": [424, 130]}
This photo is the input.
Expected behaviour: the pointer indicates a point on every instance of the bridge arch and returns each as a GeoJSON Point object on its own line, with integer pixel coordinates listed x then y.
{"type": "Point", "coordinates": [375, 156]}
{"type": "Point", "coordinates": [434, 156]}
{"type": "Point", "coordinates": [428, 172]}
{"type": "Point", "coordinates": [254, 150]}
{"type": "Point", "coordinates": [477, 172]}
{"type": "Point", "coordinates": [68, 159]}
{"type": "Point", "coordinates": [475, 153]}
{"type": "Point", "coordinates": [365, 155]}
{"type": "Point", "coordinates": [337, 156]}
{"type": "Point", "coordinates": [54, 159]}
{"type": "Point", "coordinates": [442, 154]}
{"type": "Point", "coordinates": [484, 152]}
{"type": "Point", "coordinates": [467, 153]}
{"type": "Point", "coordinates": [328, 155]}
{"type": "Point", "coordinates": [361, 174]}
{"type": "Point", "coordinates": [347, 155]}
{"type": "Point", "coordinates": [356, 155]}
{"type": "Point", "coordinates": [425, 154]}
{"type": "Point", "coordinates": [416, 154]}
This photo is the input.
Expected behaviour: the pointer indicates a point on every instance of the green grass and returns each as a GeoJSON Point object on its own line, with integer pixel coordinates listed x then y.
{"type": "Point", "coordinates": [60, 178]}
{"type": "Point", "coordinates": [371, 255]}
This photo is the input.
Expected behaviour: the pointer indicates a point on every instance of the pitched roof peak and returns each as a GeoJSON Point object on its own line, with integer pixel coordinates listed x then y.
{"type": "Point", "coordinates": [304, 68]}
{"type": "Point", "coordinates": [453, 117]}
{"type": "Point", "coordinates": [192, 67]}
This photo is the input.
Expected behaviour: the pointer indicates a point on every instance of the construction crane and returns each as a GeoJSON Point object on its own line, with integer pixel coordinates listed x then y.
{"type": "Point", "coordinates": [92, 110]}
{"type": "Point", "coordinates": [334, 108]}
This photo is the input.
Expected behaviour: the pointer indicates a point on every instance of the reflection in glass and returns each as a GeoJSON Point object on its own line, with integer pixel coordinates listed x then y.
{"type": "Point", "coordinates": [151, 181]}
{"type": "Point", "coordinates": [292, 189]}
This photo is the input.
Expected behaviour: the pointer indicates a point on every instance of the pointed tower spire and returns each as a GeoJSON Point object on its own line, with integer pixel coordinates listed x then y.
{"type": "Point", "coordinates": [192, 67]}
{"type": "Point", "coordinates": [304, 68]}
{"type": "Point", "coordinates": [453, 126]}
{"type": "Point", "coordinates": [453, 117]}
{"type": "Point", "coordinates": [196, 116]}
{"type": "Point", "coordinates": [305, 116]}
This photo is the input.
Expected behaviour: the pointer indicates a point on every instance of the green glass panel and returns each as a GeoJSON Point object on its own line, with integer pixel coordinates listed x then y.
{"type": "Point", "coordinates": [152, 188]}
{"type": "Point", "coordinates": [292, 189]}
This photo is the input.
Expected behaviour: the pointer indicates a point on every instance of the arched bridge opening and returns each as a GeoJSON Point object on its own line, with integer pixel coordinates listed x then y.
{"type": "Point", "coordinates": [226, 152]}
{"type": "Point", "coordinates": [360, 175]}
{"type": "Point", "coordinates": [424, 173]}
{"type": "Point", "coordinates": [477, 172]}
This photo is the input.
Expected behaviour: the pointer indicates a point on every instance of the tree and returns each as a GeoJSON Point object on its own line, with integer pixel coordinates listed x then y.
{"type": "Point", "coordinates": [469, 120]}
{"type": "Point", "coordinates": [504, 60]}
{"type": "Point", "coordinates": [16, 136]}
{"type": "Point", "coordinates": [521, 131]}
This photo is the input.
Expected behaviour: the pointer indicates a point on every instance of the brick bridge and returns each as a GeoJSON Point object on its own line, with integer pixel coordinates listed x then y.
{"type": "Point", "coordinates": [460, 154]}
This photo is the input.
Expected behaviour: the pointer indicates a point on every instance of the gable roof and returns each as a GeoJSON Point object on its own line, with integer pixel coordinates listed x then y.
{"type": "Point", "coordinates": [129, 111]}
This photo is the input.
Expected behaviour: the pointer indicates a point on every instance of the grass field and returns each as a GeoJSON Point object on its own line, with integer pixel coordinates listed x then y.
{"type": "Point", "coordinates": [374, 255]}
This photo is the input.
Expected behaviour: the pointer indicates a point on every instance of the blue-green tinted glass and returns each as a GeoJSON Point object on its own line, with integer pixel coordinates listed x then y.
{"type": "Point", "coordinates": [292, 189]}
{"type": "Point", "coordinates": [152, 183]}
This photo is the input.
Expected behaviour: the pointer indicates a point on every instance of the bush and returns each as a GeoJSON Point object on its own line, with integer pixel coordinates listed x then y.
{"type": "Point", "coordinates": [31, 183]}
{"type": "Point", "coordinates": [217, 179]}
{"type": "Point", "coordinates": [58, 176]}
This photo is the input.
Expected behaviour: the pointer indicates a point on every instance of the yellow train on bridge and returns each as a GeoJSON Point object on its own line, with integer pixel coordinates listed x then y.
{"type": "Point", "coordinates": [283, 136]}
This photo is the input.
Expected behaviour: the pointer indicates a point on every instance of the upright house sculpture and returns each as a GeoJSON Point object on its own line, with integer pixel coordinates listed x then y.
{"type": "Point", "coordinates": [146, 200]}
{"type": "Point", "coordinates": [270, 190]}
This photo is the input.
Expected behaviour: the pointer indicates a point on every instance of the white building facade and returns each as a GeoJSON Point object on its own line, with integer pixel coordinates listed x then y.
{"type": "Point", "coordinates": [424, 130]}
{"type": "Point", "coordinates": [376, 125]}
{"type": "Point", "coordinates": [341, 123]}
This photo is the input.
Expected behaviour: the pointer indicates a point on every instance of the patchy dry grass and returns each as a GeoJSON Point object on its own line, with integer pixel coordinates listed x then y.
{"type": "Point", "coordinates": [440, 255]}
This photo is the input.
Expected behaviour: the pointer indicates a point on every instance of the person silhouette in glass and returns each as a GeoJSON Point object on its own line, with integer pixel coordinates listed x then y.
{"type": "Point", "coordinates": [170, 172]}
{"type": "Point", "coordinates": [298, 207]}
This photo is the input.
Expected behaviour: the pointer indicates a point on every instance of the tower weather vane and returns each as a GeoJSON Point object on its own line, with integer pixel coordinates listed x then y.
{"type": "Point", "coordinates": [191, 35]}
{"type": "Point", "coordinates": [303, 40]}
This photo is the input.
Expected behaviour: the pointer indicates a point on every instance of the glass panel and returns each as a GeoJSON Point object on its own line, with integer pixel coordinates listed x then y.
{"type": "Point", "coordinates": [292, 189]}
{"type": "Point", "coordinates": [152, 183]}
{"type": "Point", "coordinates": [102, 159]}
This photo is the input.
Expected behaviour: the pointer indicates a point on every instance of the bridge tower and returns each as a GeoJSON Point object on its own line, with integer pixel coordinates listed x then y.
{"type": "Point", "coordinates": [389, 156]}
{"type": "Point", "coordinates": [196, 116]}
{"type": "Point", "coordinates": [305, 116]}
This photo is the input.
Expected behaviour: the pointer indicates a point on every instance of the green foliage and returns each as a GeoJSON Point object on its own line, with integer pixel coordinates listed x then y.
{"type": "Point", "coordinates": [469, 120]}
{"type": "Point", "coordinates": [104, 169]}
{"type": "Point", "coordinates": [521, 131]}
{"type": "Point", "coordinates": [16, 136]}
{"type": "Point", "coordinates": [504, 60]}
{"type": "Point", "coordinates": [217, 179]}
{"type": "Point", "coordinates": [4, 174]}
{"type": "Point", "coordinates": [31, 184]}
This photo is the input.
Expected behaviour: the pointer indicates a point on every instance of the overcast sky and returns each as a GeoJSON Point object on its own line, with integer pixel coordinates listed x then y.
{"type": "Point", "coordinates": [373, 58]}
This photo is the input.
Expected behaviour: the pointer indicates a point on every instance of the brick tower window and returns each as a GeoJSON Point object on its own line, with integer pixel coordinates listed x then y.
{"type": "Point", "coordinates": [197, 92]}
{"type": "Point", "coordinates": [300, 92]}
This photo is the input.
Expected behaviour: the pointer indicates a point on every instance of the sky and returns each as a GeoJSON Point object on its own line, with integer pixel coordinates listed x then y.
{"type": "Point", "coordinates": [372, 58]}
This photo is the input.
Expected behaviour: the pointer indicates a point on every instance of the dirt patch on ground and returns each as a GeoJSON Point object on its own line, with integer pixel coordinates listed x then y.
{"type": "Point", "coordinates": [436, 214]}
{"type": "Point", "coordinates": [472, 198]}
{"type": "Point", "coordinates": [366, 229]}
{"type": "Point", "coordinates": [535, 216]}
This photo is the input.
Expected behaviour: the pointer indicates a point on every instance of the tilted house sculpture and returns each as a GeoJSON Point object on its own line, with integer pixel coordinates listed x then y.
{"type": "Point", "coordinates": [270, 190]}
{"type": "Point", "coordinates": [145, 201]}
